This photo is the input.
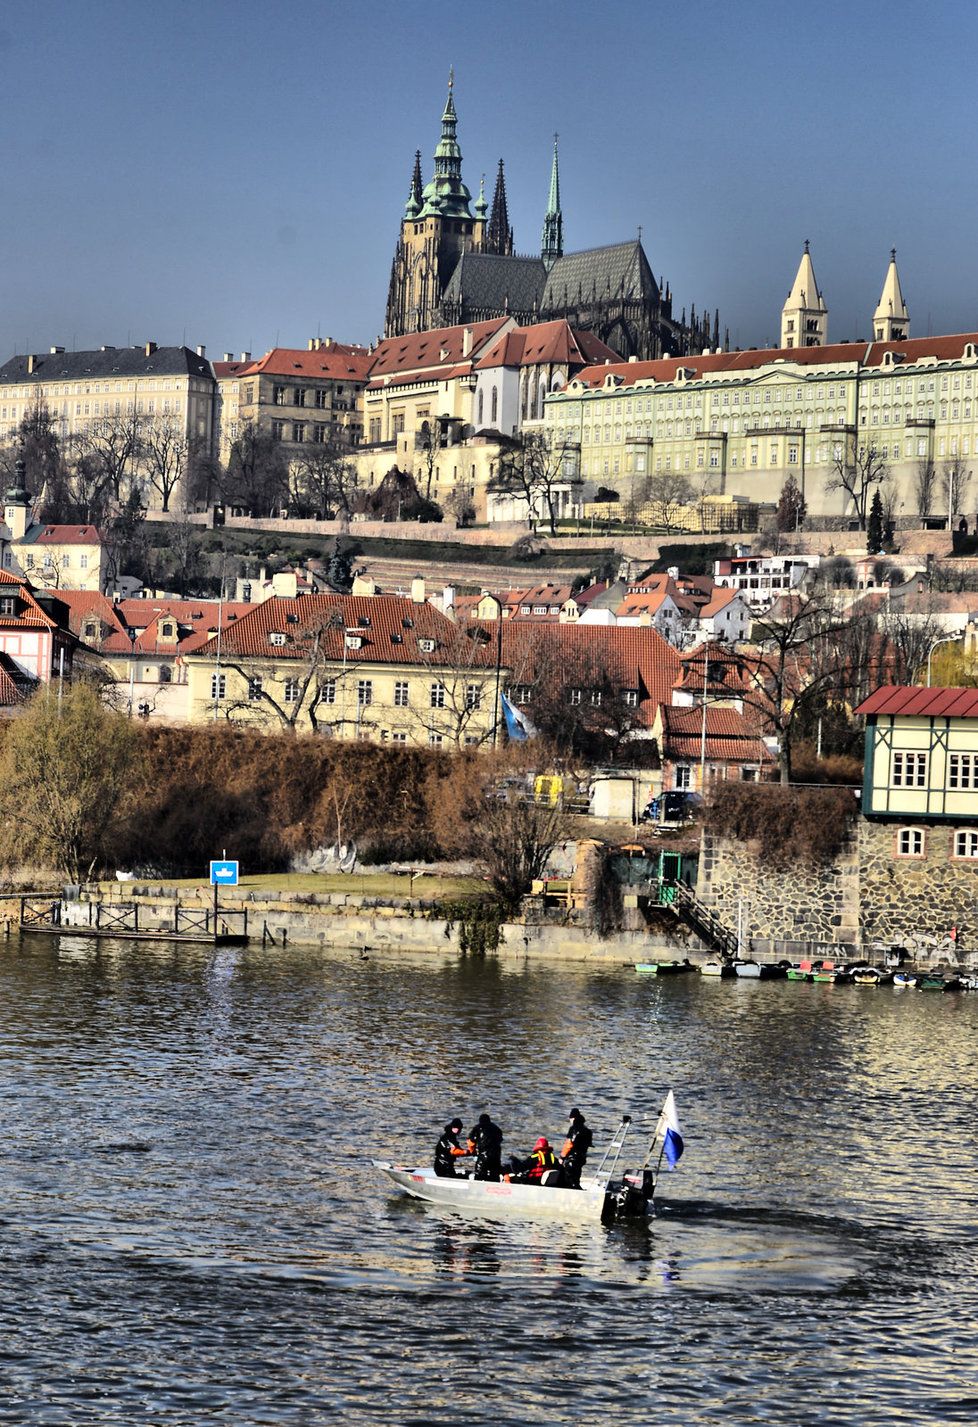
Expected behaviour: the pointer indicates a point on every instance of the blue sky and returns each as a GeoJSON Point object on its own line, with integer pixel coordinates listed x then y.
{"type": "Point", "coordinates": [235, 173]}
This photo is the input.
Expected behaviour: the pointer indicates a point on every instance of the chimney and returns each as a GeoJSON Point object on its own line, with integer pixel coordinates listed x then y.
{"type": "Point", "coordinates": [633, 359]}
{"type": "Point", "coordinates": [55, 351]}
{"type": "Point", "coordinates": [201, 350]}
{"type": "Point", "coordinates": [229, 356]}
{"type": "Point", "coordinates": [448, 598]}
{"type": "Point", "coordinates": [245, 356]}
{"type": "Point", "coordinates": [466, 341]}
{"type": "Point", "coordinates": [149, 349]}
{"type": "Point", "coordinates": [417, 590]}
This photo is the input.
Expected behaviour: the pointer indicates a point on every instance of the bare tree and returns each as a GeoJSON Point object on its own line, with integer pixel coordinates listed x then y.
{"type": "Point", "coordinates": [534, 468]}
{"type": "Point", "coordinates": [908, 639]}
{"type": "Point", "coordinates": [514, 838]}
{"type": "Point", "coordinates": [113, 445]}
{"type": "Point", "coordinates": [324, 479]}
{"type": "Point", "coordinates": [857, 473]}
{"type": "Point", "coordinates": [257, 477]}
{"type": "Point", "coordinates": [313, 683]}
{"type": "Point", "coordinates": [670, 492]}
{"type": "Point", "coordinates": [955, 479]}
{"type": "Point", "coordinates": [803, 661]}
{"type": "Point", "coordinates": [166, 451]}
{"type": "Point", "coordinates": [924, 485]}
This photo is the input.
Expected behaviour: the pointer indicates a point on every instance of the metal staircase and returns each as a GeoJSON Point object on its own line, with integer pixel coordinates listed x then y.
{"type": "Point", "coordinates": [700, 919]}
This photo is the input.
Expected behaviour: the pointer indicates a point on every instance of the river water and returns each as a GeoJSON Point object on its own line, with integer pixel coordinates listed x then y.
{"type": "Point", "coordinates": [191, 1232]}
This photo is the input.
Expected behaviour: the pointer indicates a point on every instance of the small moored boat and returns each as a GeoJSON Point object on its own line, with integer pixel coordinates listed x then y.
{"type": "Point", "coordinates": [903, 980]}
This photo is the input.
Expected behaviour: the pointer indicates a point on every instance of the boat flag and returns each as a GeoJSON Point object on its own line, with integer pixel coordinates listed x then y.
{"type": "Point", "coordinates": [672, 1135]}
{"type": "Point", "coordinates": [518, 726]}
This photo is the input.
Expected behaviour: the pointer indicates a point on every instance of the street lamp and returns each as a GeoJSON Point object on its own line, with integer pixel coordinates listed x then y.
{"type": "Point", "coordinates": [132, 669]}
{"type": "Point", "coordinates": [944, 639]}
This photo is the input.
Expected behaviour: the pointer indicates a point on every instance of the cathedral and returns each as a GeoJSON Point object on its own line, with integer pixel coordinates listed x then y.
{"type": "Point", "coordinates": [454, 264]}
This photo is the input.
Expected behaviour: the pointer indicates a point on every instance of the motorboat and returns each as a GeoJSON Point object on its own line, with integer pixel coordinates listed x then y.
{"type": "Point", "coordinates": [605, 1195]}
{"type": "Point", "coordinates": [717, 967]}
{"type": "Point", "coordinates": [903, 980]}
{"type": "Point", "coordinates": [870, 976]}
{"type": "Point", "coordinates": [663, 968]}
{"type": "Point", "coordinates": [759, 970]}
{"type": "Point", "coordinates": [748, 970]}
{"type": "Point", "coordinates": [828, 971]}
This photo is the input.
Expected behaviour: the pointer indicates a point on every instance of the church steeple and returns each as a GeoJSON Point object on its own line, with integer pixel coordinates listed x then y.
{"type": "Point", "coordinates": [891, 320]}
{"type": "Point", "coordinates": [804, 317]}
{"type": "Point", "coordinates": [499, 236]}
{"type": "Point", "coordinates": [553, 224]}
{"type": "Point", "coordinates": [446, 196]}
{"type": "Point", "coordinates": [413, 207]}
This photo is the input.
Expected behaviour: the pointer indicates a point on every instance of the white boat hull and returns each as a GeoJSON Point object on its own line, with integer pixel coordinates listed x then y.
{"type": "Point", "coordinates": [498, 1199]}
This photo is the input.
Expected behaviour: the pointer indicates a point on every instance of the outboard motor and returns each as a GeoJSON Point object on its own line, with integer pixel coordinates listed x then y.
{"type": "Point", "coordinates": [633, 1197]}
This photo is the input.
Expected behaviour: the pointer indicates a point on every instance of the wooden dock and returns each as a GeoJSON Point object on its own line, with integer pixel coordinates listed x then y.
{"type": "Point", "coordinates": [217, 926]}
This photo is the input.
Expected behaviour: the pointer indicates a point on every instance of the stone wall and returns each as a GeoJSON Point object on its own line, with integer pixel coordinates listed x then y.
{"type": "Point", "coordinates": [916, 902]}
{"type": "Point", "coordinates": [793, 911]}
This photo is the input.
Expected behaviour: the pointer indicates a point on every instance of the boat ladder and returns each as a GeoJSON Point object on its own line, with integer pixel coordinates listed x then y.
{"type": "Point", "coordinates": [613, 1152]}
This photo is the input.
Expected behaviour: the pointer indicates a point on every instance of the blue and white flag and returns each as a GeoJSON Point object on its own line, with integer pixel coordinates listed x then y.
{"type": "Point", "coordinates": [518, 726]}
{"type": "Point", "coordinates": [672, 1135]}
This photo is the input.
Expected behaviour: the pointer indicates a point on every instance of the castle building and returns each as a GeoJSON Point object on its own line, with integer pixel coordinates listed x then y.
{"type": "Point", "coordinates": [454, 266]}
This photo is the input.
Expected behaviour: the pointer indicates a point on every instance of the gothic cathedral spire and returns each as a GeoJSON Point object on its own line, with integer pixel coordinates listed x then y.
{"type": "Point", "coordinates": [891, 320]}
{"type": "Point", "coordinates": [499, 236]}
{"type": "Point", "coordinates": [553, 224]}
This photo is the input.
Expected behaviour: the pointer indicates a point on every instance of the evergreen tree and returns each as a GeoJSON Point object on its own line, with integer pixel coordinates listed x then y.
{"type": "Point", "coordinates": [874, 526]}
{"type": "Point", "coordinates": [791, 510]}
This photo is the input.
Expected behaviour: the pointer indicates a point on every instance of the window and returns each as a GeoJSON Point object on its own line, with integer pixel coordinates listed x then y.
{"type": "Point", "coordinates": [218, 683]}
{"type": "Point", "coordinates": [435, 740]}
{"type": "Point", "coordinates": [254, 688]}
{"type": "Point", "coordinates": [909, 770]}
{"type": "Point", "coordinates": [910, 842]}
{"type": "Point", "coordinates": [327, 691]}
{"type": "Point", "coordinates": [300, 396]}
{"type": "Point", "coordinates": [966, 843]}
{"type": "Point", "coordinates": [321, 397]}
{"type": "Point", "coordinates": [365, 692]}
{"type": "Point", "coordinates": [83, 561]}
{"type": "Point", "coordinates": [596, 698]}
{"type": "Point", "coordinates": [631, 698]}
{"type": "Point", "coordinates": [401, 694]}
{"type": "Point", "coordinates": [473, 696]}
{"type": "Point", "coordinates": [278, 395]}
{"type": "Point", "coordinates": [291, 691]}
{"type": "Point", "coordinates": [522, 693]}
{"type": "Point", "coordinates": [298, 432]}
{"type": "Point", "coordinates": [963, 771]}
{"type": "Point", "coordinates": [684, 775]}
{"type": "Point", "coordinates": [437, 696]}
{"type": "Point", "coordinates": [8, 604]}
{"type": "Point", "coordinates": [278, 430]}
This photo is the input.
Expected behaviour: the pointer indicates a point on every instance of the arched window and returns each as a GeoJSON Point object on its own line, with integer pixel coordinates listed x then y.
{"type": "Point", "coordinates": [166, 674]}
{"type": "Point", "coordinates": [482, 397]}
{"type": "Point", "coordinates": [541, 393]}
{"type": "Point", "coordinates": [495, 406]}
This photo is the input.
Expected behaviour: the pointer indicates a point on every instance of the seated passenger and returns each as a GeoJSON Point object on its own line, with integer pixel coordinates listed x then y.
{"type": "Point", "coordinates": [539, 1167]}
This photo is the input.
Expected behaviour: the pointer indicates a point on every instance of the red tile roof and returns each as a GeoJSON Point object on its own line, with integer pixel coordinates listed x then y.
{"type": "Point", "coordinates": [196, 621]}
{"type": "Point", "coordinates": [633, 656]}
{"type": "Point", "coordinates": [63, 535]}
{"type": "Point", "coordinates": [337, 362]}
{"type": "Point", "coordinates": [545, 343]}
{"type": "Point", "coordinates": [87, 604]}
{"type": "Point", "coordinates": [926, 703]}
{"type": "Point", "coordinates": [442, 347]}
{"type": "Point", "coordinates": [223, 370]}
{"type": "Point", "coordinates": [730, 737]}
{"type": "Point", "coordinates": [32, 613]}
{"type": "Point", "coordinates": [389, 627]}
{"type": "Point", "coordinates": [863, 354]}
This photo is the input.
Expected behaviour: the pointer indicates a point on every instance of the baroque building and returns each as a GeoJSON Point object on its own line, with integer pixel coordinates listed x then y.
{"type": "Point", "coordinates": [455, 264]}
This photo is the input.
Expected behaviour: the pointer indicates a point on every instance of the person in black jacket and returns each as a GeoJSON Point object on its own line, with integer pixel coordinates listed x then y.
{"type": "Point", "coordinates": [448, 1151]}
{"type": "Point", "coordinates": [486, 1143]}
{"type": "Point", "coordinates": [574, 1152]}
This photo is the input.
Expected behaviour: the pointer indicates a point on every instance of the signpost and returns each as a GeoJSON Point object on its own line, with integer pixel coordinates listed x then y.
{"type": "Point", "coordinates": [223, 874]}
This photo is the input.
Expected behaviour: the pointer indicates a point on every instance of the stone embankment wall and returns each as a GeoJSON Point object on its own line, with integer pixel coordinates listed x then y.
{"type": "Point", "coordinates": [801, 910]}
{"type": "Point", "coordinates": [866, 902]}
{"type": "Point", "coordinates": [928, 905]}
{"type": "Point", "coordinates": [352, 921]}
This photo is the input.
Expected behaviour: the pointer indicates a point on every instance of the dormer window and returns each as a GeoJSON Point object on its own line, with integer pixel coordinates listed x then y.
{"type": "Point", "coordinates": [276, 637]}
{"type": "Point", "coordinates": [8, 604]}
{"type": "Point", "coordinates": [167, 631]}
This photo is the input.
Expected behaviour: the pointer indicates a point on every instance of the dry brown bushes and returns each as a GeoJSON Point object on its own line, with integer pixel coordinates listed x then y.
{"type": "Point", "coordinates": [785, 825]}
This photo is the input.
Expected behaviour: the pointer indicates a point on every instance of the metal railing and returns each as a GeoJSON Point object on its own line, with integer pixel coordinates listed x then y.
{"type": "Point", "coordinates": [702, 919]}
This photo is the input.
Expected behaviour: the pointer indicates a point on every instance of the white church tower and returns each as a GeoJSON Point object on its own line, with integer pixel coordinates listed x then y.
{"type": "Point", "coordinates": [891, 320]}
{"type": "Point", "coordinates": [804, 317]}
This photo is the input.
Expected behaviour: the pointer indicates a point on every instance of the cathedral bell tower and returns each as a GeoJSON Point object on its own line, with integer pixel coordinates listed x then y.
{"type": "Point", "coordinates": [438, 227]}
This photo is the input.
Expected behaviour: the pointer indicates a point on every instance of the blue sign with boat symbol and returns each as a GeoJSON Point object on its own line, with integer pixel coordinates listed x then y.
{"type": "Point", "coordinates": [224, 874]}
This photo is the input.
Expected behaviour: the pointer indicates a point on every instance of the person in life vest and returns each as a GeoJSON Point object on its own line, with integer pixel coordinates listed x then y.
{"type": "Point", "coordinates": [486, 1143]}
{"type": "Point", "coordinates": [539, 1167]}
{"type": "Point", "coordinates": [573, 1155]}
{"type": "Point", "coordinates": [448, 1151]}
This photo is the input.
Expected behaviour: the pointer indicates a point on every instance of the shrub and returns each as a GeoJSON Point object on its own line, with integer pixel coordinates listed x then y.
{"type": "Point", "coordinates": [785, 825]}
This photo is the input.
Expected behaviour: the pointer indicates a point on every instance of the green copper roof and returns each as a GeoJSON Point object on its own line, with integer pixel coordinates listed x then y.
{"type": "Point", "coordinates": [553, 224]}
{"type": "Point", "coordinates": [446, 196]}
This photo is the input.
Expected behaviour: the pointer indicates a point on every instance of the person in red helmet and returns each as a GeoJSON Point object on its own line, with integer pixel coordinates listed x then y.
{"type": "Point", "coordinates": [537, 1167]}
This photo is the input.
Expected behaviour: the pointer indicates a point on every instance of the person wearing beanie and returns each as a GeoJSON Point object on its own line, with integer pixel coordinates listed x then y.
{"type": "Point", "coordinates": [448, 1151]}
